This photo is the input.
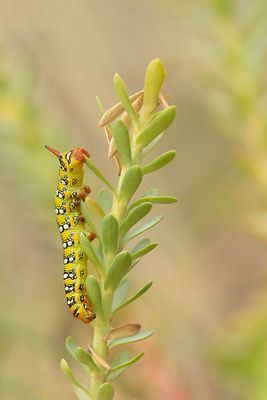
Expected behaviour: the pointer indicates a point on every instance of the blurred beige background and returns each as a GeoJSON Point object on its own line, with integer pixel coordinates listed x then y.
{"type": "Point", "coordinates": [209, 269]}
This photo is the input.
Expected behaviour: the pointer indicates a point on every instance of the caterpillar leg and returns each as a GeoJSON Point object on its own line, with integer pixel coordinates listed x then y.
{"type": "Point", "coordinates": [84, 192]}
{"type": "Point", "coordinates": [90, 236]}
{"type": "Point", "coordinates": [82, 195]}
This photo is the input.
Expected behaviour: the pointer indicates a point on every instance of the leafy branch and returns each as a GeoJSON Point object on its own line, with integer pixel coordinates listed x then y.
{"type": "Point", "coordinates": [133, 127]}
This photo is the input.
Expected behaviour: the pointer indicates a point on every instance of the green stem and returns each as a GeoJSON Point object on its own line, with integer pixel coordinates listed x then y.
{"type": "Point", "coordinates": [102, 326]}
{"type": "Point", "coordinates": [101, 329]}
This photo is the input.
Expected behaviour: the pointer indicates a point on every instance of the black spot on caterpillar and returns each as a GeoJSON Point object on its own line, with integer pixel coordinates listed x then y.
{"type": "Point", "coordinates": [70, 225]}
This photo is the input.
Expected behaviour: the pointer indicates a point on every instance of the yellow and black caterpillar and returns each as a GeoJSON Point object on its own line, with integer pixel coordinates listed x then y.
{"type": "Point", "coordinates": [70, 192]}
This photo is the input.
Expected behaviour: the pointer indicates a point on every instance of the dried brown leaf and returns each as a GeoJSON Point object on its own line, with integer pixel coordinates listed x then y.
{"type": "Point", "coordinates": [162, 101]}
{"type": "Point", "coordinates": [108, 132]}
{"type": "Point", "coordinates": [137, 104]}
{"type": "Point", "coordinates": [113, 112]}
{"type": "Point", "coordinates": [122, 331]}
{"type": "Point", "coordinates": [98, 359]}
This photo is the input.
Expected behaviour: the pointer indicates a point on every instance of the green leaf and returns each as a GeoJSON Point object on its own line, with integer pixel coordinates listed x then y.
{"type": "Point", "coordinates": [69, 374]}
{"type": "Point", "coordinates": [134, 297]}
{"type": "Point", "coordinates": [121, 293]}
{"type": "Point", "coordinates": [86, 215]}
{"type": "Point", "coordinates": [94, 207]}
{"type": "Point", "coordinates": [143, 228]}
{"type": "Point", "coordinates": [90, 253]}
{"type": "Point", "coordinates": [154, 143]}
{"type": "Point", "coordinates": [105, 392]}
{"type": "Point", "coordinates": [96, 171]}
{"type": "Point", "coordinates": [155, 75]}
{"type": "Point", "coordinates": [158, 124]}
{"type": "Point", "coordinates": [134, 216]}
{"type": "Point", "coordinates": [78, 354]}
{"type": "Point", "coordinates": [155, 199]}
{"type": "Point", "coordinates": [131, 339]}
{"type": "Point", "coordinates": [81, 395]}
{"type": "Point", "coordinates": [144, 250]}
{"type": "Point", "coordinates": [159, 162]}
{"type": "Point", "coordinates": [121, 358]}
{"type": "Point", "coordinates": [129, 185]}
{"type": "Point", "coordinates": [122, 142]}
{"type": "Point", "coordinates": [118, 270]}
{"type": "Point", "coordinates": [127, 363]}
{"type": "Point", "coordinates": [105, 199]}
{"type": "Point", "coordinates": [71, 346]}
{"type": "Point", "coordinates": [85, 359]}
{"type": "Point", "coordinates": [94, 294]}
{"type": "Point", "coordinates": [110, 236]}
{"type": "Point", "coordinates": [140, 245]}
{"type": "Point", "coordinates": [151, 192]}
{"type": "Point", "coordinates": [121, 92]}
{"type": "Point", "coordinates": [100, 105]}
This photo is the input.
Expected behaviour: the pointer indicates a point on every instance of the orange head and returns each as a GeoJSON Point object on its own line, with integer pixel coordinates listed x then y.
{"type": "Point", "coordinates": [70, 159]}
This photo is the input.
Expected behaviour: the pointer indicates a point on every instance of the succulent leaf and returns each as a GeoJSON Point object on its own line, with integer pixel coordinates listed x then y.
{"type": "Point", "coordinates": [97, 172]}
{"type": "Point", "coordinates": [157, 125]}
{"type": "Point", "coordinates": [90, 252]}
{"type": "Point", "coordinates": [159, 162]}
{"type": "Point", "coordinates": [86, 215]}
{"type": "Point", "coordinates": [105, 392]}
{"type": "Point", "coordinates": [110, 236]}
{"type": "Point", "coordinates": [118, 269]}
{"type": "Point", "coordinates": [154, 221]}
{"type": "Point", "coordinates": [134, 297]}
{"type": "Point", "coordinates": [134, 216]}
{"type": "Point", "coordinates": [70, 375]}
{"type": "Point", "coordinates": [121, 293]}
{"type": "Point", "coordinates": [105, 199]}
{"type": "Point", "coordinates": [94, 294]}
{"type": "Point", "coordinates": [155, 75]}
{"type": "Point", "coordinates": [122, 142]}
{"type": "Point", "coordinates": [155, 200]}
{"type": "Point", "coordinates": [130, 183]}
{"type": "Point", "coordinates": [121, 92]}
{"type": "Point", "coordinates": [85, 359]}
{"type": "Point", "coordinates": [144, 250]}
{"type": "Point", "coordinates": [131, 339]}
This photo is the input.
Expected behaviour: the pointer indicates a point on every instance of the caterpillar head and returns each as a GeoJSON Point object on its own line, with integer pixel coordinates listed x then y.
{"type": "Point", "coordinates": [70, 160]}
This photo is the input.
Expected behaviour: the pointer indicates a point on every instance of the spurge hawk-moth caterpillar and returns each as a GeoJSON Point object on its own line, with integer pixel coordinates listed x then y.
{"type": "Point", "coordinates": [70, 192]}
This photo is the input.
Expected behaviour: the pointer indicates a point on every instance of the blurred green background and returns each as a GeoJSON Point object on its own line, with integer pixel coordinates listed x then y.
{"type": "Point", "coordinates": [208, 303]}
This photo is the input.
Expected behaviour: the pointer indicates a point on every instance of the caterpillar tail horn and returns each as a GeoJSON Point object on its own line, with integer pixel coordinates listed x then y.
{"type": "Point", "coordinates": [57, 153]}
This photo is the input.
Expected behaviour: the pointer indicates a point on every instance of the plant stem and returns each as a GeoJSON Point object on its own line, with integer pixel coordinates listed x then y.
{"type": "Point", "coordinates": [102, 326]}
{"type": "Point", "coordinates": [101, 329]}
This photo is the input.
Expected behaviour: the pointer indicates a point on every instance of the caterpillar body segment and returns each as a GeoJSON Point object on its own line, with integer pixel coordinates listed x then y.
{"type": "Point", "coordinates": [70, 191]}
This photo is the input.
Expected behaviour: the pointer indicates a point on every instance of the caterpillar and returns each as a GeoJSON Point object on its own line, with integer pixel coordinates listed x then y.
{"type": "Point", "coordinates": [69, 193]}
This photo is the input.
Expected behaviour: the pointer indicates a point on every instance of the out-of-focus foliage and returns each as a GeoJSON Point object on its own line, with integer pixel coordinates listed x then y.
{"type": "Point", "coordinates": [26, 177]}
{"type": "Point", "coordinates": [241, 353]}
{"type": "Point", "coordinates": [238, 89]}
{"type": "Point", "coordinates": [24, 128]}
